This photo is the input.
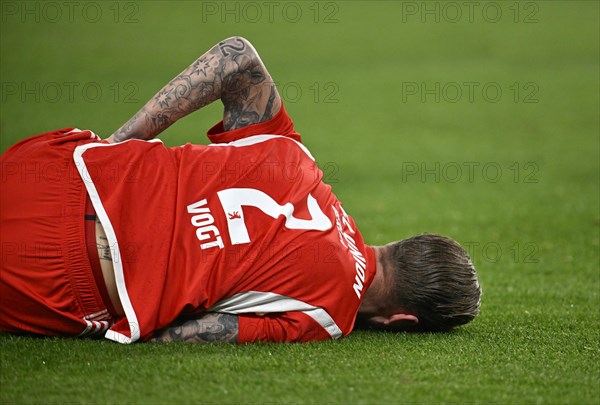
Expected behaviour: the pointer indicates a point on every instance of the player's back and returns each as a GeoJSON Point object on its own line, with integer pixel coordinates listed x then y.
{"type": "Point", "coordinates": [243, 227]}
{"type": "Point", "coordinates": [253, 217]}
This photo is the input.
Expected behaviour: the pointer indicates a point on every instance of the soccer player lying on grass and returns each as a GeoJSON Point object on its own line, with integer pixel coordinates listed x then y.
{"type": "Point", "coordinates": [238, 241]}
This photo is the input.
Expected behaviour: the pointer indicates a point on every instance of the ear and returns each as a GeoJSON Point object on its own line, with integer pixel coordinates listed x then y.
{"type": "Point", "coordinates": [402, 319]}
{"type": "Point", "coordinates": [399, 319]}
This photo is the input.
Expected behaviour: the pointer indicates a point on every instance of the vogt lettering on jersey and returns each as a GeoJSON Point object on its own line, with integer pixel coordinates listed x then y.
{"type": "Point", "coordinates": [360, 264]}
{"type": "Point", "coordinates": [204, 223]}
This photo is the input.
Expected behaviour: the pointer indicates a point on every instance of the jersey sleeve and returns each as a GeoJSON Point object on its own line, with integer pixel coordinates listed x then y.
{"type": "Point", "coordinates": [280, 327]}
{"type": "Point", "coordinates": [280, 124]}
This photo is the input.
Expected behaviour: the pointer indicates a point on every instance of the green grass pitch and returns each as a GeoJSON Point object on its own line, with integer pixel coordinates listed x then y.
{"type": "Point", "coordinates": [477, 121]}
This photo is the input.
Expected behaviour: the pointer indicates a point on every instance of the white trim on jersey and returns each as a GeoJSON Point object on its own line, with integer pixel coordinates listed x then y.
{"type": "Point", "coordinates": [112, 240]}
{"type": "Point", "coordinates": [252, 140]}
{"type": "Point", "coordinates": [265, 302]}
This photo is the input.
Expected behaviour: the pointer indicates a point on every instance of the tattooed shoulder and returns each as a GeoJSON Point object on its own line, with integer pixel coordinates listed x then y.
{"type": "Point", "coordinates": [249, 93]}
{"type": "Point", "coordinates": [231, 71]}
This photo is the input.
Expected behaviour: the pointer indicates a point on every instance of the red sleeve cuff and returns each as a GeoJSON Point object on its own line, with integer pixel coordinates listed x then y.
{"type": "Point", "coordinates": [280, 124]}
{"type": "Point", "coordinates": [281, 327]}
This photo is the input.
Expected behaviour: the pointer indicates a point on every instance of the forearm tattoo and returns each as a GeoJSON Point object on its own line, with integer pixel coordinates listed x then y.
{"type": "Point", "coordinates": [207, 328]}
{"type": "Point", "coordinates": [231, 71]}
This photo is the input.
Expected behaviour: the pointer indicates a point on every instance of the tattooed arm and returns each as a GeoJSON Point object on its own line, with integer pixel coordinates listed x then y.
{"type": "Point", "coordinates": [106, 265]}
{"type": "Point", "coordinates": [206, 328]}
{"type": "Point", "coordinates": [231, 71]}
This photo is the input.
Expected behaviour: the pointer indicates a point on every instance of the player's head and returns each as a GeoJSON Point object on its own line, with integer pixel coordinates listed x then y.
{"type": "Point", "coordinates": [432, 278]}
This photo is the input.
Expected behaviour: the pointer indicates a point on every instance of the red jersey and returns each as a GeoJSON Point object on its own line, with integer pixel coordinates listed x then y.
{"type": "Point", "coordinates": [243, 226]}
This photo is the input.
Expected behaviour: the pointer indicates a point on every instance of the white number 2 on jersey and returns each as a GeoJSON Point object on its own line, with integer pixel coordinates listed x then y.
{"type": "Point", "coordinates": [233, 199]}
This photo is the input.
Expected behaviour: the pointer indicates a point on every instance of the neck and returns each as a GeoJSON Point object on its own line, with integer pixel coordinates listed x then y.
{"type": "Point", "coordinates": [375, 297]}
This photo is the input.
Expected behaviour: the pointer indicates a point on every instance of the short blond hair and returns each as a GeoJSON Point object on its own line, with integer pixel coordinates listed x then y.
{"type": "Point", "coordinates": [435, 280]}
